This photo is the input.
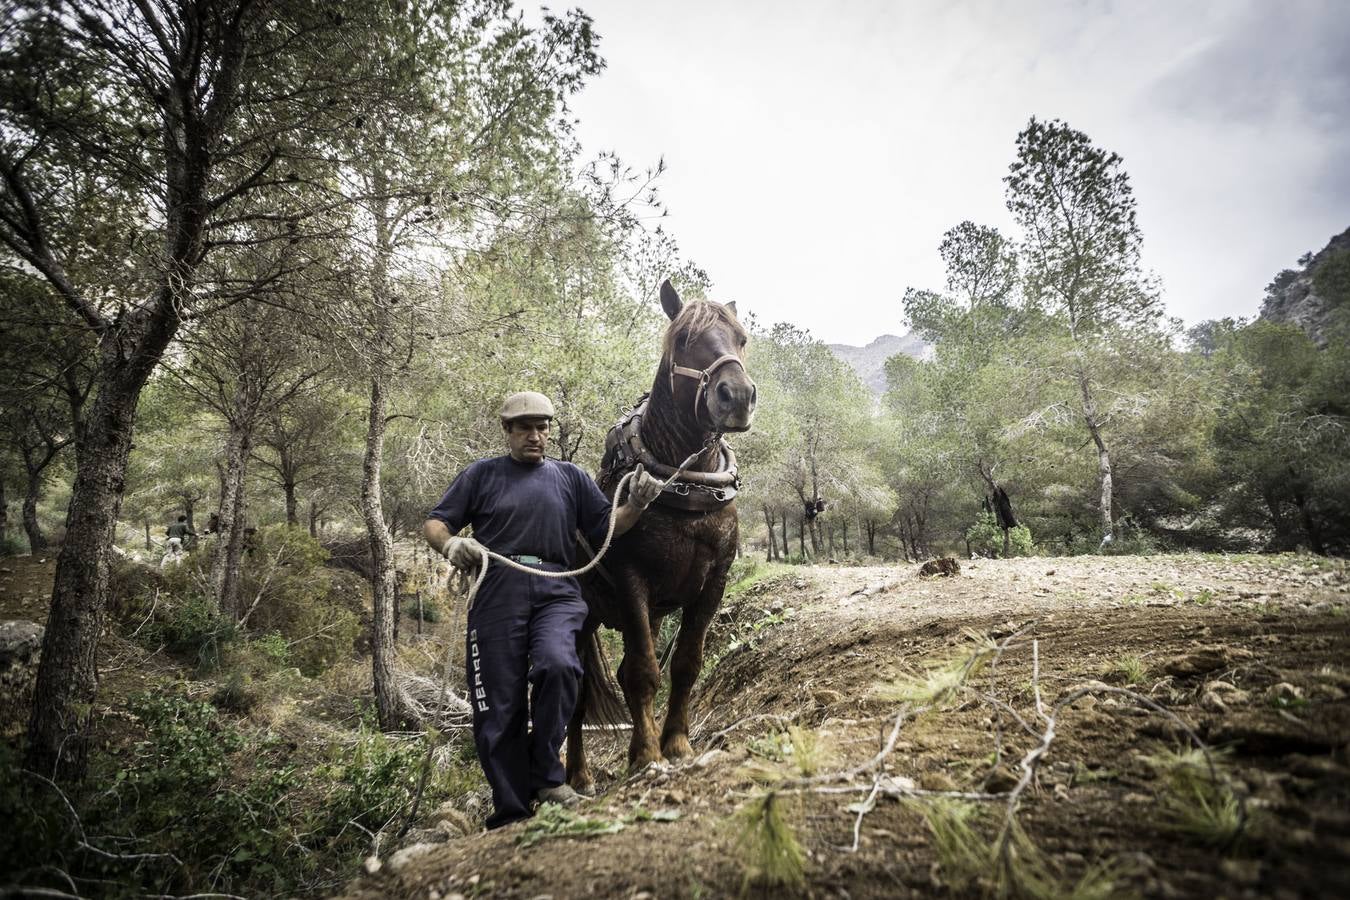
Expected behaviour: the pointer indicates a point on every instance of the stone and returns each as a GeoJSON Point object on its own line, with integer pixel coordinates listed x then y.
{"type": "Point", "coordinates": [20, 648]}
{"type": "Point", "coordinates": [1284, 692]}
{"type": "Point", "coordinates": [1205, 659]}
{"type": "Point", "coordinates": [708, 759]}
{"type": "Point", "coordinates": [401, 858]}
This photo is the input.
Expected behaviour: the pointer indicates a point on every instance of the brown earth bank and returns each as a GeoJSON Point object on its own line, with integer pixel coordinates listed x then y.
{"type": "Point", "coordinates": [811, 669]}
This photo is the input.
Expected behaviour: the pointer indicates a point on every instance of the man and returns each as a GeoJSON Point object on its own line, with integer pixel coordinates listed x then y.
{"type": "Point", "coordinates": [178, 533]}
{"type": "Point", "coordinates": [523, 628]}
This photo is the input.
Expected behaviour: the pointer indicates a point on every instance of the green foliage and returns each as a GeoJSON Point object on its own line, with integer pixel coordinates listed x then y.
{"type": "Point", "coordinates": [554, 821]}
{"type": "Point", "coordinates": [1016, 867]}
{"type": "Point", "coordinates": [1131, 669]}
{"type": "Point", "coordinates": [308, 623]}
{"type": "Point", "coordinates": [191, 626]}
{"type": "Point", "coordinates": [986, 538]}
{"type": "Point", "coordinates": [939, 679]}
{"type": "Point", "coordinates": [1331, 279]}
{"type": "Point", "coordinates": [431, 610]}
{"type": "Point", "coordinates": [1196, 799]}
{"type": "Point", "coordinates": [771, 855]}
{"type": "Point", "coordinates": [371, 780]}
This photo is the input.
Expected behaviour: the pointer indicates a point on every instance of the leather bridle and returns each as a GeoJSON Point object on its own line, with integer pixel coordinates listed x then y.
{"type": "Point", "coordinates": [704, 378]}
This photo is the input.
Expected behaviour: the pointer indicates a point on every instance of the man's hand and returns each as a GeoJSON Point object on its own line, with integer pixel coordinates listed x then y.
{"type": "Point", "coordinates": [463, 553]}
{"type": "Point", "coordinates": [642, 489]}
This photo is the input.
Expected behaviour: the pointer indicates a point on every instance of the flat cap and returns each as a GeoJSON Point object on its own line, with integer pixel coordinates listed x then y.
{"type": "Point", "coordinates": [526, 405]}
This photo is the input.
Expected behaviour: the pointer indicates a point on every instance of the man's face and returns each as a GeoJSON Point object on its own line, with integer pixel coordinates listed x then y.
{"type": "Point", "coordinates": [527, 439]}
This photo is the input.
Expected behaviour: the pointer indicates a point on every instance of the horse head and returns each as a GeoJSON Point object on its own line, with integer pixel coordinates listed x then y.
{"type": "Point", "coordinates": [704, 354]}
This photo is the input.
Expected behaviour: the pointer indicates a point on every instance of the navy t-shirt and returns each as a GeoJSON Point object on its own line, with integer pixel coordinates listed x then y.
{"type": "Point", "coordinates": [526, 509]}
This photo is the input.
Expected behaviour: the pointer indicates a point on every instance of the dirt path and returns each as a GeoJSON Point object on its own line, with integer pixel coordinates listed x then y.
{"type": "Point", "coordinates": [1249, 652]}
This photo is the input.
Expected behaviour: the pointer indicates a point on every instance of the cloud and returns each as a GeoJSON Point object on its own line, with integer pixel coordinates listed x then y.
{"type": "Point", "coordinates": [1272, 63]}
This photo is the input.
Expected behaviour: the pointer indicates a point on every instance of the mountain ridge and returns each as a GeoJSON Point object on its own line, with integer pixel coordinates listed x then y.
{"type": "Point", "coordinates": [869, 361]}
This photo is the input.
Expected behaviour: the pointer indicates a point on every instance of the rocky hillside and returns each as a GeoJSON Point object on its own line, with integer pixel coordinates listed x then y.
{"type": "Point", "coordinates": [1308, 296]}
{"type": "Point", "coordinates": [870, 361]}
{"type": "Point", "coordinates": [1139, 726]}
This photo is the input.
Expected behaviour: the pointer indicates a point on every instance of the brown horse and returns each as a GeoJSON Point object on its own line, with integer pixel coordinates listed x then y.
{"type": "Point", "coordinates": [677, 556]}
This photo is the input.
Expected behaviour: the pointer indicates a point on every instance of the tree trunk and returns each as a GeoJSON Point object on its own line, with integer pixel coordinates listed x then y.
{"type": "Point", "coordinates": [871, 537]}
{"type": "Point", "coordinates": [1103, 456]}
{"type": "Point", "coordinates": [149, 545]}
{"type": "Point", "coordinates": [67, 677]}
{"type": "Point", "coordinates": [230, 540]}
{"type": "Point", "coordinates": [4, 513]}
{"type": "Point", "coordinates": [1309, 522]}
{"type": "Point", "coordinates": [313, 520]}
{"type": "Point", "coordinates": [389, 705]}
{"type": "Point", "coordinates": [189, 509]}
{"type": "Point", "coordinates": [773, 544]}
{"type": "Point", "coordinates": [829, 539]}
{"type": "Point", "coordinates": [845, 536]}
{"type": "Point", "coordinates": [786, 551]}
{"type": "Point", "coordinates": [292, 507]}
{"type": "Point", "coordinates": [36, 541]}
{"type": "Point", "coordinates": [801, 537]}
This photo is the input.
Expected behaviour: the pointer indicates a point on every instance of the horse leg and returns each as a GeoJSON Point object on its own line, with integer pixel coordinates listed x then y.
{"type": "Point", "coordinates": [639, 676]}
{"type": "Point", "coordinates": [578, 772]}
{"type": "Point", "coordinates": [685, 666]}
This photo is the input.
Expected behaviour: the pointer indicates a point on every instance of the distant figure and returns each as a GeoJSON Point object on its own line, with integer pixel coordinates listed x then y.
{"type": "Point", "coordinates": [178, 533]}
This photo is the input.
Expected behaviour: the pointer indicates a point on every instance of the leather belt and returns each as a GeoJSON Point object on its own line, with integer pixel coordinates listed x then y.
{"type": "Point", "coordinates": [526, 560]}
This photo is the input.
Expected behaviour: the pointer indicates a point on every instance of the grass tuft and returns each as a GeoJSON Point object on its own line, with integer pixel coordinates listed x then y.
{"type": "Point", "coordinates": [968, 858]}
{"type": "Point", "coordinates": [1196, 801]}
{"type": "Point", "coordinates": [772, 857]}
{"type": "Point", "coordinates": [806, 750]}
{"type": "Point", "coordinates": [1131, 669]}
{"type": "Point", "coordinates": [939, 679]}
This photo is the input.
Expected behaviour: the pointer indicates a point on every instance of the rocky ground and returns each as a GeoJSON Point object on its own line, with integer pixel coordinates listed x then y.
{"type": "Point", "coordinates": [811, 669]}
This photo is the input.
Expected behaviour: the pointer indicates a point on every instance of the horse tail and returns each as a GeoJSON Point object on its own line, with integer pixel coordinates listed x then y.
{"type": "Point", "coordinates": [604, 706]}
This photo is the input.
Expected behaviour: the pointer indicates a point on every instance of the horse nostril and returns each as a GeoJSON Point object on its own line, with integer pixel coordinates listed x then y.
{"type": "Point", "coordinates": [724, 392]}
{"type": "Point", "coordinates": [754, 394]}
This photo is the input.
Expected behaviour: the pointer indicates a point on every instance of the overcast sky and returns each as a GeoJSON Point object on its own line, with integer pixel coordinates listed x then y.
{"type": "Point", "coordinates": [817, 151]}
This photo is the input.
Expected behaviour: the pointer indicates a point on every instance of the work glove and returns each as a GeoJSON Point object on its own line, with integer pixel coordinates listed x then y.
{"type": "Point", "coordinates": [643, 488]}
{"type": "Point", "coordinates": [463, 553]}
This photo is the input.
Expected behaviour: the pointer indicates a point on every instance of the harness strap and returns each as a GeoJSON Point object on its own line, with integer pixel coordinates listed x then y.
{"type": "Point", "coordinates": [703, 377]}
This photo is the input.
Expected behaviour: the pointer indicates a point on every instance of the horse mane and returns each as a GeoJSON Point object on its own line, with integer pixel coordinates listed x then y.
{"type": "Point", "coordinates": [694, 320]}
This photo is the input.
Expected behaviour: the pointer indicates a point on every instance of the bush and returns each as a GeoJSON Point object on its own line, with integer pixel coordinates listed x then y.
{"type": "Point", "coordinates": [986, 538]}
{"type": "Point", "coordinates": [293, 601]}
{"type": "Point", "coordinates": [431, 610]}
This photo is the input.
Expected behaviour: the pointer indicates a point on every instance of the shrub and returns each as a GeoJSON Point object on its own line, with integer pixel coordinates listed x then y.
{"type": "Point", "coordinates": [431, 610]}
{"type": "Point", "coordinates": [292, 599]}
{"type": "Point", "coordinates": [986, 538]}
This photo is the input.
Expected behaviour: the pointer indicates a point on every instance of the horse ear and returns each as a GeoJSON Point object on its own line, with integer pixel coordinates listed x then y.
{"type": "Point", "coordinates": [731, 308]}
{"type": "Point", "coordinates": [670, 301]}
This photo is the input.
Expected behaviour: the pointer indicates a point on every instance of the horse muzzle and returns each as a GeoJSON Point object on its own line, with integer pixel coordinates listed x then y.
{"type": "Point", "coordinates": [731, 402]}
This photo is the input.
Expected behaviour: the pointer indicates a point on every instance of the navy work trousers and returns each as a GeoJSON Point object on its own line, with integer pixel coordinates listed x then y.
{"type": "Point", "coordinates": [522, 631]}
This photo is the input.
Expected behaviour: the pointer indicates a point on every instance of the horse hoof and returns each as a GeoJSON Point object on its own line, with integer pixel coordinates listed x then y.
{"type": "Point", "coordinates": [583, 785]}
{"type": "Point", "coordinates": [677, 747]}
